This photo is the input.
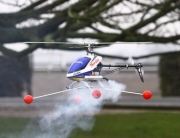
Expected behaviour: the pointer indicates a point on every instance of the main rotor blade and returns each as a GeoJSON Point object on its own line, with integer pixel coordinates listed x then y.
{"type": "Point", "coordinates": [69, 43]}
{"type": "Point", "coordinates": [107, 43]}
{"type": "Point", "coordinates": [86, 43]}
{"type": "Point", "coordinates": [78, 45]}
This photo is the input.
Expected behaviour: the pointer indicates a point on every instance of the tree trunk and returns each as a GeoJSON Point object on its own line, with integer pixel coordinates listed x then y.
{"type": "Point", "coordinates": [169, 73]}
{"type": "Point", "coordinates": [15, 76]}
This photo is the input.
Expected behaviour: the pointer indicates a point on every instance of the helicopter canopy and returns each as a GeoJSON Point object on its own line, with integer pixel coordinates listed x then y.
{"type": "Point", "coordinates": [79, 64]}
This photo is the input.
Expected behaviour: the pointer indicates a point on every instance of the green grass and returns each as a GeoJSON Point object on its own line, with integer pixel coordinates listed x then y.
{"type": "Point", "coordinates": [10, 125]}
{"type": "Point", "coordinates": [135, 125]}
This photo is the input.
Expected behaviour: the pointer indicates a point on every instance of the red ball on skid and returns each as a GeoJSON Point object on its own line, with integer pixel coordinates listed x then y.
{"type": "Point", "coordinates": [77, 99]}
{"type": "Point", "coordinates": [147, 95]}
{"type": "Point", "coordinates": [96, 94]}
{"type": "Point", "coordinates": [28, 99]}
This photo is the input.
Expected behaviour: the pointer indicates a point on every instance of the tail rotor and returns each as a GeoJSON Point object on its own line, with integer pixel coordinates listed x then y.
{"type": "Point", "coordinates": [138, 68]}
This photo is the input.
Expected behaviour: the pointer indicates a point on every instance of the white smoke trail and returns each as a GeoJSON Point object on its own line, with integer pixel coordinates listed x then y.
{"type": "Point", "coordinates": [72, 114]}
{"type": "Point", "coordinates": [113, 95]}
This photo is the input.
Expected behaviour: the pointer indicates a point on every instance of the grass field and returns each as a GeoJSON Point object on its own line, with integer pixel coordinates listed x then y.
{"type": "Point", "coordinates": [134, 125]}
{"type": "Point", "coordinates": [11, 126]}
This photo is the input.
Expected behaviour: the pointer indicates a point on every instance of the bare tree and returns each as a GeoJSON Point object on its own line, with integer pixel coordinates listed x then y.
{"type": "Point", "coordinates": [157, 21]}
{"type": "Point", "coordinates": [124, 20]}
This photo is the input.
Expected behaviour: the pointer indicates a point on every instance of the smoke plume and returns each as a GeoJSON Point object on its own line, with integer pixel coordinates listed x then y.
{"type": "Point", "coordinates": [76, 112]}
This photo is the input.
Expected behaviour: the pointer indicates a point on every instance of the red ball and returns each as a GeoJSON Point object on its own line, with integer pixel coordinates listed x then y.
{"type": "Point", "coordinates": [77, 99]}
{"type": "Point", "coordinates": [96, 94]}
{"type": "Point", "coordinates": [147, 95]}
{"type": "Point", "coordinates": [28, 99]}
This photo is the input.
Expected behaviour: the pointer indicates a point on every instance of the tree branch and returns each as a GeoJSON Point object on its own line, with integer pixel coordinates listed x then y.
{"type": "Point", "coordinates": [10, 35]}
{"type": "Point", "coordinates": [33, 5]}
{"type": "Point", "coordinates": [11, 4]}
{"type": "Point", "coordinates": [124, 14]}
{"type": "Point", "coordinates": [164, 23]}
{"type": "Point", "coordinates": [103, 22]}
{"type": "Point", "coordinates": [164, 10]}
{"type": "Point", "coordinates": [127, 35]}
{"type": "Point", "coordinates": [27, 13]}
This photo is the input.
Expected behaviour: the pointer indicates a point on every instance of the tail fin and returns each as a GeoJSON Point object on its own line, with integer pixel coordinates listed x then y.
{"type": "Point", "coordinates": [138, 67]}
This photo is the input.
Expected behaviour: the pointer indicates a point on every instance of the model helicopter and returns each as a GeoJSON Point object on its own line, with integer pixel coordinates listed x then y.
{"type": "Point", "coordinates": [88, 69]}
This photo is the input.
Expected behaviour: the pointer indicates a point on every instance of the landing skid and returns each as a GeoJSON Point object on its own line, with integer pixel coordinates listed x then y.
{"type": "Point", "coordinates": [96, 93]}
{"type": "Point", "coordinates": [86, 83]}
{"type": "Point", "coordinates": [94, 78]}
{"type": "Point", "coordinates": [87, 80]}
